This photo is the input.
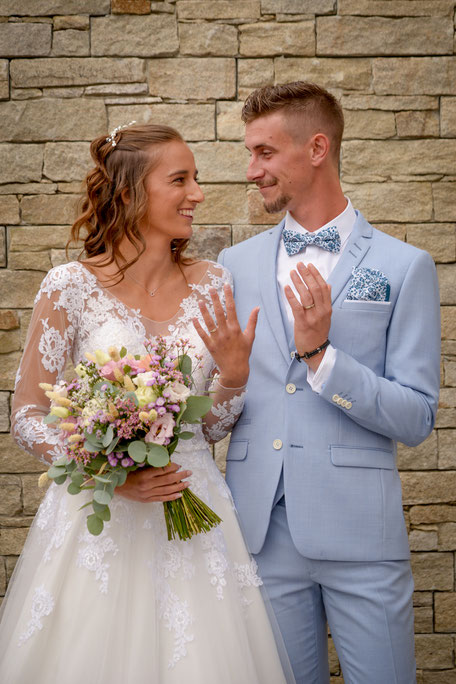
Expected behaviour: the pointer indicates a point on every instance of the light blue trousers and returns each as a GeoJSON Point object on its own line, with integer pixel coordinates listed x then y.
{"type": "Point", "coordinates": [368, 606]}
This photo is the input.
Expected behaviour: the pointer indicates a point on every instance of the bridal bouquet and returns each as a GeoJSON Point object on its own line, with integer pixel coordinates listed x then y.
{"type": "Point", "coordinates": [121, 413]}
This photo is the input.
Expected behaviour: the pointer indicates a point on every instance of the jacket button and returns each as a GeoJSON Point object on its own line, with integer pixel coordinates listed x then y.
{"type": "Point", "coordinates": [291, 389]}
{"type": "Point", "coordinates": [344, 403]}
{"type": "Point", "coordinates": [277, 444]}
{"type": "Point", "coordinates": [349, 405]}
{"type": "Point", "coordinates": [340, 401]}
{"type": "Point", "coordinates": [335, 397]}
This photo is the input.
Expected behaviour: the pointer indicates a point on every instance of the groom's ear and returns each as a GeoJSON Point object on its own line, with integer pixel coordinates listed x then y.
{"type": "Point", "coordinates": [319, 148]}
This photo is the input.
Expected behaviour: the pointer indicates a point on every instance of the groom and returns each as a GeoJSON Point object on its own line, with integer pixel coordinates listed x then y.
{"type": "Point", "coordinates": [345, 364]}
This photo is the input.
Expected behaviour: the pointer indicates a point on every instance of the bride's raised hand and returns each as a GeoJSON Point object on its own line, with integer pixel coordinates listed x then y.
{"type": "Point", "coordinates": [228, 344]}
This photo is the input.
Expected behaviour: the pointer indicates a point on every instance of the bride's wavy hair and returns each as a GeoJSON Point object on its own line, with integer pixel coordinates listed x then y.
{"type": "Point", "coordinates": [120, 169]}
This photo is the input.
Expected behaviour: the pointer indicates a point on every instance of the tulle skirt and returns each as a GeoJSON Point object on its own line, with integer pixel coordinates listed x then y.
{"type": "Point", "coordinates": [130, 607]}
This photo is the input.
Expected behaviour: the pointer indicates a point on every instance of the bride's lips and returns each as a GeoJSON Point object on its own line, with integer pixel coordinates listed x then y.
{"type": "Point", "coordinates": [187, 213]}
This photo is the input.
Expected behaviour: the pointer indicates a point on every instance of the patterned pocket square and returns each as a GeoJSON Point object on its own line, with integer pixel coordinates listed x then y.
{"type": "Point", "coordinates": [369, 284]}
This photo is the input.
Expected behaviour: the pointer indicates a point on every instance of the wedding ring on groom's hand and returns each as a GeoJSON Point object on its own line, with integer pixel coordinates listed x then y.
{"type": "Point", "coordinates": [311, 306]}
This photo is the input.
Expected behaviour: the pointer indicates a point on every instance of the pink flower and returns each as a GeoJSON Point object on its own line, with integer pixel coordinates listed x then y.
{"type": "Point", "coordinates": [161, 430]}
{"type": "Point", "coordinates": [107, 371]}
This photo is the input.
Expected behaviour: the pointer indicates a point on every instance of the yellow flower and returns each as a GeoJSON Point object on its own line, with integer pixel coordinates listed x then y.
{"type": "Point", "coordinates": [63, 401]}
{"type": "Point", "coordinates": [112, 410]}
{"type": "Point", "coordinates": [43, 480]}
{"type": "Point", "coordinates": [60, 411]}
{"type": "Point", "coordinates": [101, 357]}
{"type": "Point", "coordinates": [68, 427]}
{"type": "Point", "coordinates": [90, 357]}
{"type": "Point", "coordinates": [80, 370]}
{"type": "Point", "coordinates": [46, 386]}
{"type": "Point", "coordinates": [153, 415]}
{"type": "Point", "coordinates": [75, 438]}
{"type": "Point", "coordinates": [144, 416]}
{"type": "Point", "coordinates": [128, 383]}
{"type": "Point", "coordinates": [118, 374]}
{"type": "Point", "coordinates": [145, 395]}
{"type": "Point", "coordinates": [114, 353]}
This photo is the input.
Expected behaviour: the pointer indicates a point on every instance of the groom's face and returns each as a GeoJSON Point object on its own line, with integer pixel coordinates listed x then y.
{"type": "Point", "coordinates": [279, 161]}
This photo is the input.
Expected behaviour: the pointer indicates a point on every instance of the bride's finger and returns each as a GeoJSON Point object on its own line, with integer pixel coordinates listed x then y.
{"type": "Point", "coordinates": [231, 315]}
{"type": "Point", "coordinates": [209, 321]}
{"type": "Point", "coordinates": [201, 332]}
{"type": "Point", "coordinates": [218, 308]}
{"type": "Point", "coordinates": [250, 328]}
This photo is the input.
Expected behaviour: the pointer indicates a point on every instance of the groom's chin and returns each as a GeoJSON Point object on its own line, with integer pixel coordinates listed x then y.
{"type": "Point", "coordinates": [277, 205]}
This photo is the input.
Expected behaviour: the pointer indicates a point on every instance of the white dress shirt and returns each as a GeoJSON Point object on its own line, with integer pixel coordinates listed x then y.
{"type": "Point", "coordinates": [325, 262]}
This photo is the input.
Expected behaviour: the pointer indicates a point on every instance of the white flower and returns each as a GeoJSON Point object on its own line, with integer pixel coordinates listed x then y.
{"type": "Point", "coordinates": [178, 392]}
{"type": "Point", "coordinates": [142, 379]}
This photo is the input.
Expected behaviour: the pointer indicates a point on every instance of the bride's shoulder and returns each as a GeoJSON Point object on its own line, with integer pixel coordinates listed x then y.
{"type": "Point", "coordinates": [212, 272]}
{"type": "Point", "coordinates": [66, 275]}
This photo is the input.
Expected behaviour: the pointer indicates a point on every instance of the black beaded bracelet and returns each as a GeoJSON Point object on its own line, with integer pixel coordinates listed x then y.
{"type": "Point", "coordinates": [314, 352]}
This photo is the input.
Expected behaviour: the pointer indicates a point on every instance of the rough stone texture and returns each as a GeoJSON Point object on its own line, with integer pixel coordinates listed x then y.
{"type": "Point", "coordinates": [80, 23]}
{"type": "Point", "coordinates": [42, 120]}
{"type": "Point", "coordinates": [368, 124]}
{"type": "Point", "coordinates": [223, 204]}
{"type": "Point", "coordinates": [10, 502]}
{"type": "Point", "coordinates": [422, 457]}
{"type": "Point", "coordinates": [432, 487]}
{"type": "Point", "coordinates": [20, 163]}
{"type": "Point", "coordinates": [4, 412]}
{"type": "Point", "coordinates": [277, 39]}
{"type": "Point", "coordinates": [254, 73]}
{"type": "Point", "coordinates": [229, 123]}
{"type": "Point", "coordinates": [218, 9]}
{"type": "Point", "coordinates": [350, 74]}
{"type": "Point", "coordinates": [208, 241]}
{"type": "Point", "coordinates": [44, 209]}
{"type": "Point", "coordinates": [415, 76]}
{"type": "Point", "coordinates": [418, 124]}
{"type": "Point", "coordinates": [439, 239]}
{"type": "Point", "coordinates": [67, 71]}
{"type": "Point", "coordinates": [297, 6]}
{"type": "Point", "coordinates": [444, 204]}
{"type": "Point", "coordinates": [66, 161]}
{"type": "Point", "coordinates": [8, 319]}
{"type": "Point", "coordinates": [193, 121]}
{"type": "Point", "coordinates": [175, 78]}
{"type": "Point", "coordinates": [130, 6]}
{"type": "Point", "coordinates": [389, 102]}
{"type": "Point", "coordinates": [31, 494]}
{"type": "Point", "coordinates": [445, 612]}
{"type": "Point", "coordinates": [448, 117]}
{"type": "Point", "coordinates": [25, 40]}
{"type": "Point", "coordinates": [4, 79]}
{"type": "Point", "coordinates": [446, 282]}
{"type": "Point", "coordinates": [434, 651]}
{"type": "Point", "coordinates": [205, 39]}
{"type": "Point", "coordinates": [220, 162]}
{"type": "Point", "coordinates": [134, 36]}
{"type": "Point", "coordinates": [9, 209]}
{"type": "Point", "coordinates": [392, 201]}
{"type": "Point", "coordinates": [398, 8]}
{"type": "Point", "coordinates": [50, 7]}
{"type": "Point", "coordinates": [381, 36]}
{"type": "Point", "coordinates": [70, 42]}
{"type": "Point", "coordinates": [432, 571]}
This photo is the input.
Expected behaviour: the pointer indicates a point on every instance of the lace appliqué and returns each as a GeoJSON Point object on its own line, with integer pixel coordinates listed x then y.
{"type": "Point", "coordinates": [227, 413]}
{"type": "Point", "coordinates": [177, 619]}
{"type": "Point", "coordinates": [91, 557]}
{"type": "Point", "coordinates": [42, 606]}
{"type": "Point", "coordinates": [29, 431]}
{"type": "Point", "coordinates": [54, 347]}
{"type": "Point", "coordinates": [53, 520]}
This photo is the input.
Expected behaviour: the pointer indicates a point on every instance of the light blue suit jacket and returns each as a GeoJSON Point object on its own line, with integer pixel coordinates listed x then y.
{"type": "Point", "coordinates": [341, 484]}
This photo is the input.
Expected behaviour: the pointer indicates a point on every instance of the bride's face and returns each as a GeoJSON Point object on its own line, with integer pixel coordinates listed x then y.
{"type": "Point", "coordinates": [173, 192]}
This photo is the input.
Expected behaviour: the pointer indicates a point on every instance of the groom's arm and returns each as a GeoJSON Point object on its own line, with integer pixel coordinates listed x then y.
{"type": "Point", "coordinates": [402, 404]}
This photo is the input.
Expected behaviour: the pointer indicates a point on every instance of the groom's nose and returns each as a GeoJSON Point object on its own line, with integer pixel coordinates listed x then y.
{"type": "Point", "coordinates": [254, 170]}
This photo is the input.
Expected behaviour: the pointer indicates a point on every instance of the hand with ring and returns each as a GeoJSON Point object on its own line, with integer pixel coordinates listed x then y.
{"type": "Point", "coordinates": [311, 312]}
{"type": "Point", "coordinates": [228, 344]}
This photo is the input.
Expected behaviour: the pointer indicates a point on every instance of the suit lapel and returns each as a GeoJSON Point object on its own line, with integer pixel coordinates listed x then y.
{"type": "Point", "coordinates": [357, 247]}
{"type": "Point", "coordinates": [267, 278]}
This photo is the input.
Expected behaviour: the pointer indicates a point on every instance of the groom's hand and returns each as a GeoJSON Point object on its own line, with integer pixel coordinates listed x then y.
{"type": "Point", "coordinates": [311, 312]}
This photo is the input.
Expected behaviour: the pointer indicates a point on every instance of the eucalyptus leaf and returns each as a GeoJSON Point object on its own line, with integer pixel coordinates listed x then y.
{"type": "Point", "coordinates": [137, 451]}
{"type": "Point", "coordinates": [63, 461]}
{"type": "Point", "coordinates": [56, 471]}
{"type": "Point", "coordinates": [157, 456]}
{"type": "Point", "coordinates": [50, 418]}
{"type": "Point", "coordinates": [104, 513]}
{"type": "Point", "coordinates": [71, 465]}
{"type": "Point", "coordinates": [185, 365]}
{"type": "Point", "coordinates": [60, 480]}
{"type": "Point", "coordinates": [108, 436]}
{"type": "Point", "coordinates": [103, 480]}
{"type": "Point", "coordinates": [97, 507]}
{"type": "Point", "coordinates": [172, 446]}
{"type": "Point", "coordinates": [88, 446]}
{"type": "Point", "coordinates": [186, 435]}
{"type": "Point", "coordinates": [73, 488]}
{"type": "Point", "coordinates": [77, 477]}
{"type": "Point", "coordinates": [102, 383]}
{"type": "Point", "coordinates": [197, 407]}
{"type": "Point", "coordinates": [93, 439]}
{"type": "Point", "coordinates": [102, 496]}
{"type": "Point", "coordinates": [94, 524]}
{"type": "Point", "coordinates": [133, 397]}
{"type": "Point", "coordinates": [112, 446]}
{"type": "Point", "coordinates": [121, 477]}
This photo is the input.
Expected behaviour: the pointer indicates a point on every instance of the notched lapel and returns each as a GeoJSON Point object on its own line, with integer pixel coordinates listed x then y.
{"type": "Point", "coordinates": [267, 279]}
{"type": "Point", "coordinates": [358, 245]}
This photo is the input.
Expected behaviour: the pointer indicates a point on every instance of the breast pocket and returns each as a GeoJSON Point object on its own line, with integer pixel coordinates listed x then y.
{"type": "Point", "coordinates": [361, 305]}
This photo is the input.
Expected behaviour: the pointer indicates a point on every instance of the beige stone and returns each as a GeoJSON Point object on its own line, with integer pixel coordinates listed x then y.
{"type": "Point", "coordinates": [28, 188]}
{"type": "Point", "coordinates": [206, 39]}
{"type": "Point", "coordinates": [444, 195]}
{"type": "Point", "coordinates": [49, 209]}
{"type": "Point", "coordinates": [448, 314]}
{"type": "Point", "coordinates": [348, 35]}
{"type": "Point", "coordinates": [436, 677]}
{"type": "Point", "coordinates": [38, 238]}
{"type": "Point", "coordinates": [220, 162]}
{"type": "Point", "coordinates": [396, 230]}
{"type": "Point", "coordinates": [439, 239]}
{"type": "Point", "coordinates": [223, 204]}
{"type": "Point", "coordinates": [368, 124]}
{"type": "Point", "coordinates": [130, 6]}
{"type": "Point", "coordinates": [241, 233]}
{"type": "Point", "coordinates": [59, 256]}
{"type": "Point", "coordinates": [421, 457]}
{"type": "Point", "coordinates": [31, 493]}
{"type": "Point", "coordinates": [70, 42]}
{"type": "Point", "coordinates": [20, 163]}
{"type": "Point", "coordinates": [140, 36]}
{"type": "Point", "coordinates": [229, 123]}
{"type": "Point", "coordinates": [67, 161]}
{"type": "Point", "coordinates": [447, 397]}
{"type": "Point", "coordinates": [434, 651]}
{"type": "Point", "coordinates": [415, 76]}
{"type": "Point", "coordinates": [398, 8]}
{"type": "Point", "coordinates": [423, 598]}
{"type": "Point", "coordinates": [74, 71]}
{"type": "Point", "coordinates": [10, 362]}
{"type": "Point", "coordinates": [2, 246]}
{"type": "Point", "coordinates": [118, 89]}
{"type": "Point", "coordinates": [51, 7]}
{"type": "Point", "coordinates": [423, 619]}
{"type": "Point", "coordinates": [176, 78]}
{"type": "Point", "coordinates": [255, 73]}
{"type": "Point", "coordinates": [389, 102]}
{"type": "Point", "coordinates": [80, 23]}
{"type": "Point", "coordinates": [4, 79]}
{"type": "Point", "coordinates": [10, 501]}
{"type": "Point", "coordinates": [257, 212]}
{"type": "Point", "coordinates": [446, 418]}
{"type": "Point", "coordinates": [208, 241]}
{"type": "Point", "coordinates": [18, 289]}
{"type": "Point", "coordinates": [4, 412]}
{"type": "Point", "coordinates": [446, 273]}
{"type": "Point", "coordinates": [10, 340]}
{"type": "Point", "coordinates": [264, 38]}
{"type": "Point", "coordinates": [41, 120]}
{"type": "Point", "coordinates": [193, 121]}
{"type": "Point", "coordinates": [448, 117]}
{"type": "Point", "coordinates": [432, 571]}
{"type": "Point", "coordinates": [423, 540]}
{"type": "Point", "coordinates": [2, 577]}
{"type": "Point", "coordinates": [13, 459]}
{"type": "Point", "coordinates": [25, 39]}
{"type": "Point", "coordinates": [416, 124]}
{"type": "Point", "coordinates": [9, 209]}
{"type": "Point", "coordinates": [447, 536]}
{"type": "Point", "coordinates": [30, 261]}
{"type": "Point", "coordinates": [406, 157]}
{"type": "Point", "coordinates": [429, 487]}
{"type": "Point", "coordinates": [25, 322]}
{"type": "Point", "coordinates": [430, 514]}
{"type": "Point", "coordinates": [297, 6]}
{"type": "Point", "coordinates": [445, 612]}
{"type": "Point", "coordinates": [392, 201]}
{"type": "Point", "coordinates": [12, 540]}
{"type": "Point", "coordinates": [218, 9]}
{"type": "Point", "coordinates": [8, 320]}
{"type": "Point", "coordinates": [450, 374]}
{"type": "Point", "coordinates": [350, 74]}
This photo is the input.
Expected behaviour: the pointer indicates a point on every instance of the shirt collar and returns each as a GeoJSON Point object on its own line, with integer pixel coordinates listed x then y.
{"type": "Point", "coordinates": [344, 223]}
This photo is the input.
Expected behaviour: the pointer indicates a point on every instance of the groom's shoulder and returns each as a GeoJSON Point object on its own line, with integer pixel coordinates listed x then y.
{"type": "Point", "coordinates": [393, 246]}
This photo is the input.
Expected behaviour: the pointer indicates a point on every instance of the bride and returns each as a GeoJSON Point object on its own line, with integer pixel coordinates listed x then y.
{"type": "Point", "coordinates": [128, 606]}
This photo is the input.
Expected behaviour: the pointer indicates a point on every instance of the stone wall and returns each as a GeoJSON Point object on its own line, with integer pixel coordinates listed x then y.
{"type": "Point", "coordinates": [73, 69]}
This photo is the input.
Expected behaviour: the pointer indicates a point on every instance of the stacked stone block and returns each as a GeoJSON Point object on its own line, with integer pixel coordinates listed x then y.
{"type": "Point", "coordinates": [71, 70]}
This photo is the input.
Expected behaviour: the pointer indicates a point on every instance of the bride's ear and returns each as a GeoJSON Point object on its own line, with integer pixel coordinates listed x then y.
{"type": "Point", "coordinates": [125, 195]}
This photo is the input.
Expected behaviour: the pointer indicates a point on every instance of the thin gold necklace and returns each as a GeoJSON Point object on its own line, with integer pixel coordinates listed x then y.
{"type": "Point", "coordinates": [151, 293]}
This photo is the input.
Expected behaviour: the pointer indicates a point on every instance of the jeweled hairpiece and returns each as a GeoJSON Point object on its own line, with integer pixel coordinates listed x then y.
{"type": "Point", "coordinates": [112, 136]}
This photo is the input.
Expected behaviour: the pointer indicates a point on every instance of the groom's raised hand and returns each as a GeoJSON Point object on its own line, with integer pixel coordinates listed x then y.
{"type": "Point", "coordinates": [311, 312]}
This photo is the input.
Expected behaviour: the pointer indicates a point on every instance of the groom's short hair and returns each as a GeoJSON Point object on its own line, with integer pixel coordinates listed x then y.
{"type": "Point", "coordinates": [320, 109]}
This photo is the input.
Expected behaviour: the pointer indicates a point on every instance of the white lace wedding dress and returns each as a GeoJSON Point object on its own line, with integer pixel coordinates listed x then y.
{"type": "Point", "coordinates": [128, 606]}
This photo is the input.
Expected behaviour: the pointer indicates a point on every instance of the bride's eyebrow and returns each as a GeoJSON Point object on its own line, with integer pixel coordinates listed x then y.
{"type": "Point", "coordinates": [180, 173]}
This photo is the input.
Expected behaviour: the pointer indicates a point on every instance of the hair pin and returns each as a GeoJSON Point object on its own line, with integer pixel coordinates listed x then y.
{"type": "Point", "coordinates": [112, 136]}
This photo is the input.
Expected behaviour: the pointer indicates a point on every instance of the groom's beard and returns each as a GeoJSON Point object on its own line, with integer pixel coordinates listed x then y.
{"type": "Point", "coordinates": [277, 205]}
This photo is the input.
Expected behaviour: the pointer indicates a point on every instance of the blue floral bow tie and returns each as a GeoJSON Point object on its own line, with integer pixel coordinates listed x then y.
{"type": "Point", "coordinates": [328, 239]}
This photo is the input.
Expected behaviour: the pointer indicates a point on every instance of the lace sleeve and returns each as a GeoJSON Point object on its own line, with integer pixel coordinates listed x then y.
{"type": "Point", "coordinates": [47, 349]}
